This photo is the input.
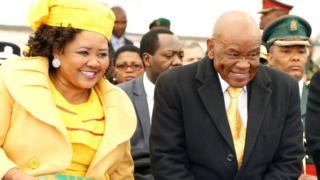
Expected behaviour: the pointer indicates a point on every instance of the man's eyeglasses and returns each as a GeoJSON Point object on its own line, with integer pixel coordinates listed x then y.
{"type": "Point", "coordinates": [134, 67]}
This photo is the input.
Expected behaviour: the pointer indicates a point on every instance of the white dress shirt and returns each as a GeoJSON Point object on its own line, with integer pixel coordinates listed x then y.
{"type": "Point", "coordinates": [300, 83]}
{"type": "Point", "coordinates": [117, 42]}
{"type": "Point", "coordinates": [242, 103]}
{"type": "Point", "coordinates": [149, 88]}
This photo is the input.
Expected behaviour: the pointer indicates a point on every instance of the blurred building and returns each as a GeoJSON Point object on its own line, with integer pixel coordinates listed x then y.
{"type": "Point", "coordinates": [20, 35]}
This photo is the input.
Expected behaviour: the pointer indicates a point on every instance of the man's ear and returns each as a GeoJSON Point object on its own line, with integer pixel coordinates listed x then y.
{"type": "Point", "coordinates": [270, 59]}
{"type": "Point", "coordinates": [146, 57]}
{"type": "Point", "coordinates": [210, 47]}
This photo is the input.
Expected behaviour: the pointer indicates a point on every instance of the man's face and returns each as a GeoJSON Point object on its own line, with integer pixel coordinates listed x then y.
{"type": "Point", "coordinates": [192, 55]}
{"type": "Point", "coordinates": [290, 59]}
{"type": "Point", "coordinates": [168, 55]}
{"type": "Point", "coordinates": [120, 24]}
{"type": "Point", "coordinates": [235, 58]}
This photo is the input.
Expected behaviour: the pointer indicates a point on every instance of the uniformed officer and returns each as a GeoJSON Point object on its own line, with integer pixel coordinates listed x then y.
{"type": "Point", "coordinates": [287, 41]}
{"type": "Point", "coordinates": [271, 10]}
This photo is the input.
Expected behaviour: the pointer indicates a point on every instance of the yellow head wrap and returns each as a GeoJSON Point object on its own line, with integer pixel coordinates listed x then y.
{"type": "Point", "coordinates": [81, 14]}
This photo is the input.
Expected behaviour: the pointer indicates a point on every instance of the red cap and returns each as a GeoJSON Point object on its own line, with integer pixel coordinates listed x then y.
{"type": "Point", "coordinates": [269, 5]}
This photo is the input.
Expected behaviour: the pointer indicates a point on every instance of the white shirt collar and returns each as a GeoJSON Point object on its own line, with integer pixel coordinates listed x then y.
{"type": "Point", "coordinates": [243, 100]}
{"type": "Point", "coordinates": [117, 42]}
{"type": "Point", "coordinates": [300, 83]}
{"type": "Point", "coordinates": [225, 85]}
{"type": "Point", "coordinates": [115, 38]}
{"type": "Point", "coordinates": [148, 86]}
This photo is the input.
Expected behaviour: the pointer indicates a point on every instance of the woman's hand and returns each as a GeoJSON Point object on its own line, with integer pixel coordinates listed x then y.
{"type": "Point", "coordinates": [16, 174]}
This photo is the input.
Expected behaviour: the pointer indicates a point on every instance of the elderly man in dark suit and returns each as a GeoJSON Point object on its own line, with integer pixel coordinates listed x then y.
{"type": "Point", "coordinates": [225, 118]}
{"type": "Point", "coordinates": [160, 50]}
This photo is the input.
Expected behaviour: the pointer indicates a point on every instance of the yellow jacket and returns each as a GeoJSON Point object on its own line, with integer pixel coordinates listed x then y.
{"type": "Point", "coordinates": [33, 137]}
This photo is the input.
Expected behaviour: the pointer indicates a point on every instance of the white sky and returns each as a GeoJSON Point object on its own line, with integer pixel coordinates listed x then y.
{"type": "Point", "coordinates": [188, 17]}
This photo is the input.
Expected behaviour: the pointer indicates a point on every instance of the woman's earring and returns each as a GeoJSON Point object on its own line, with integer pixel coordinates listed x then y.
{"type": "Point", "coordinates": [56, 63]}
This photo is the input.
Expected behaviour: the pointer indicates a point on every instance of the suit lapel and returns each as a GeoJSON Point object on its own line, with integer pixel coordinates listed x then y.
{"type": "Point", "coordinates": [258, 99]}
{"type": "Point", "coordinates": [119, 124]}
{"type": "Point", "coordinates": [127, 41]}
{"type": "Point", "coordinates": [141, 105]}
{"type": "Point", "coordinates": [210, 93]}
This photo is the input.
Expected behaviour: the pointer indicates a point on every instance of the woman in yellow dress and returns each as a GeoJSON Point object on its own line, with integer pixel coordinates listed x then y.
{"type": "Point", "coordinates": [60, 119]}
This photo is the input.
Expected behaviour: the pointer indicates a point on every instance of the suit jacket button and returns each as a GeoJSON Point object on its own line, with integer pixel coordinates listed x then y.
{"type": "Point", "coordinates": [34, 163]}
{"type": "Point", "coordinates": [230, 157]}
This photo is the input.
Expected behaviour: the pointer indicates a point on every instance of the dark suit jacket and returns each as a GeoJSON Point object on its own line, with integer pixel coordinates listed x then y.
{"type": "Point", "coordinates": [190, 136]}
{"type": "Point", "coordinates": [136, 92]}
{"type": "Point", "coordinates": [313, 120]}
{"type": "Point", "coordinates": [303, 108]}
{"type": "Point", "coordinates": [140, 140]}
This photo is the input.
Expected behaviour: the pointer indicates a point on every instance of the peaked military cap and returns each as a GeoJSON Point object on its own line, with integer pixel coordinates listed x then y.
{"type": "Point", "coordinates": [287, 31]}
{"type": "Point", "coordinates": [269, 5]}
{"type": "Point", "coordinates": [160, 22]}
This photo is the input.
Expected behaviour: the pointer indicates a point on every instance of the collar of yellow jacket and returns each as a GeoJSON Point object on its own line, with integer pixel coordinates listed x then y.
{"type": "Point", "coordinates": [27, 81]}
{"type": "Point", "coordinates": [81, 14]}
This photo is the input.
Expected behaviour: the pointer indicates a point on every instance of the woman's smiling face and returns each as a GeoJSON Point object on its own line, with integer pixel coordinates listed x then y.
{"type": "Point", "coordinates": [84, 60]}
